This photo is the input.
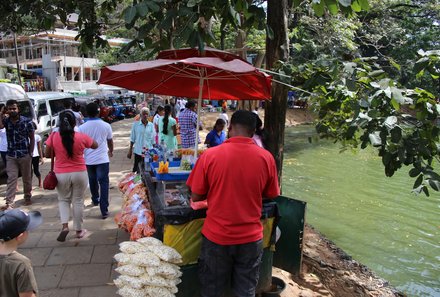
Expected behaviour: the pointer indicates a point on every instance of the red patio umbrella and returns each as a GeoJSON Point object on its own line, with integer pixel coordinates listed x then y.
{"type": "Point", "coordinates": [189, 52]}
{"type": "Point", "coordinates": [215, 75]}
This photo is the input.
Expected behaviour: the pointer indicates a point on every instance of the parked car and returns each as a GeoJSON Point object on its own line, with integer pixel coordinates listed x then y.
{"type": "Point", "coordinates": [16, 92]}
{"type": "Point", "coordinates": [47, 106]}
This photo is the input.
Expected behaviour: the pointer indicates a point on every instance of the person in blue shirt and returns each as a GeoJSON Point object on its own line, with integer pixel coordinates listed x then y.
{"type": "Point", "coordinates": [217, 136]}
{"type": "Point", "coordinates": [141, 138]}
{"type": "Point", "coordinates": [21, 141]}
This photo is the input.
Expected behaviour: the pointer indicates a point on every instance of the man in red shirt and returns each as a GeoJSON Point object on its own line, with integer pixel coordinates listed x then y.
{"type": "Point", "coordinates": [234, 177]}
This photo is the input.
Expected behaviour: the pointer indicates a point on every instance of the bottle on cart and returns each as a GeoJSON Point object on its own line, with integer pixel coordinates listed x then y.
{"type": "Point", "coordinates": [147, 161]}
{"type": "Point", "coordinates": [170, 155]}
{"type": "Point", "coordinates": [164, 150]}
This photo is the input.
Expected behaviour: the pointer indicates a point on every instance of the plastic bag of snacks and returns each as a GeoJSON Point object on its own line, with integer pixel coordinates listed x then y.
{"type": "Point", "coordinates": [159, 291]}
{"type": "Point", "coordinates": [136, 189]}
{"type": "Point", "coordinates": [143, 226]}
{"type": "Point", "coordinates": [150, 241]}
{"type": "Point", "coordinates": [131, 270]}
{"type": "Point", "coordinates": [166, 270]}
{"type": "Point", "coordinates": [125, 179]}
{"type": "Point", "coordinates": [129, 213]}
{"type": "Point", "coordinates": [132, 183]}
{"type": "Point", "coordinates": [126, 291]}
{"type": "Point", "coordinates": [166, 253]}
{"type": "Point", "coordinates": [123, 259]}
{"type": "Point", "coordinates": [145, 259]}
{"type": "Point", "coordinates": [129, 247]}
{"type": "Point", "coordinates": [143, 273]}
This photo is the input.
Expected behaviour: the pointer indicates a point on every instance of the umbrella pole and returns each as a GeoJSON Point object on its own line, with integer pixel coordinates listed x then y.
{"type": "Point", "coordinates": [199, 105]}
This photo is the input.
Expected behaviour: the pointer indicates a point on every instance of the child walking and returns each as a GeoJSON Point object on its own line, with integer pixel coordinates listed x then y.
{"type": "Point", "coordinates": [16, 274]}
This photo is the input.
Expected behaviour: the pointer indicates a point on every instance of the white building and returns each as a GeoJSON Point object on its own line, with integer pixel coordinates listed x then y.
{"type": "Point", "coordinates": [55, 56]}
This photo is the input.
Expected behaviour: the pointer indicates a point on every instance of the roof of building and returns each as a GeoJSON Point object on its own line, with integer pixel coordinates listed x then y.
{"type": "Point", "coordinates": [59, 34]}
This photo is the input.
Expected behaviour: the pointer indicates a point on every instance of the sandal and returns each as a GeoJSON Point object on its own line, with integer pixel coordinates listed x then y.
{"type": "Point", "coordinates": [63, 234]}
{"type": "Point", "coordinates": [81, 234]}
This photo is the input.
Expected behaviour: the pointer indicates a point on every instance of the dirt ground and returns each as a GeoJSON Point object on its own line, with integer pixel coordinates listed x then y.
{"type": "Point", "coordinates": [326, 269]}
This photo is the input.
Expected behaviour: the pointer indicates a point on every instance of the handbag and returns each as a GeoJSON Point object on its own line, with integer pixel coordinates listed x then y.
{"type": "Point", "coordinates": [50, 181]}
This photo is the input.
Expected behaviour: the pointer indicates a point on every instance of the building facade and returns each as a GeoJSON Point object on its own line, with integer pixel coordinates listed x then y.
{"type": "Point", "coordinates": [53, 56]}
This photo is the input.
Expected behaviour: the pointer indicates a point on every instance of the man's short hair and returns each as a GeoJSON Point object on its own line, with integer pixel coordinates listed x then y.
{"type": "Point", "coordinates": [11, 102]}
{"type": "Point", "coordinates": [190, 104]}
{"type": "Point", "coordinates": [145, 109]}
{"type": "Point", "coordinates": [92, 109]}
{"type": "Point", "coordinates": [245, 119]}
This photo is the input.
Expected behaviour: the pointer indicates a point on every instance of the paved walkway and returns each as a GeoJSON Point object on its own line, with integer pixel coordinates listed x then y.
{"type": "Point", "coordinates": [85, 267]}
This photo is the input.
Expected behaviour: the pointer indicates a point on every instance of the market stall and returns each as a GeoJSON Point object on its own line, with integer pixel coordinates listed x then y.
{"type": "Point", "coordinates": [156, 202]}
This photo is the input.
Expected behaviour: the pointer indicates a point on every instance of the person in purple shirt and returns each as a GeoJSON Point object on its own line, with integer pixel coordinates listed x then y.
{"type": "Point", "coordinates": [188, 125]}
{"type": "Point", "coordinates": [217, 136]}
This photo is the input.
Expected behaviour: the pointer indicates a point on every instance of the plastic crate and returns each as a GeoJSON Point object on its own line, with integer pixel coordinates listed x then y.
{"type": "Point", "coordinates": [177, 175]}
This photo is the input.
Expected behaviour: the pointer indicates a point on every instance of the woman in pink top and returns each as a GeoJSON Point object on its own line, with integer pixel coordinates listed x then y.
{"type": "Point", "coordinates": [71, 171]}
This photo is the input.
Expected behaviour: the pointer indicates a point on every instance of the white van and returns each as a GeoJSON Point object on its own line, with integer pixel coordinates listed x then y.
{"type": "Point", "coordinates": [12, 91]}
{"type": "Point", "coordinates": [47, 106]}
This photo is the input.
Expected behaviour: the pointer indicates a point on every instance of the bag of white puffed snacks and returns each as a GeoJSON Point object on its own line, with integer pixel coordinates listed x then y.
{"type": "Point", "coordinates": [132, 247]}
{"type": "Point", "coordinates": [131, 270]}
{"type": "Point", "coordinates": [131, 281]}
{"type": "Point", "coordinates": [166, 253]}
{"type": "Point", "coordinates": [145, 259]}
{"type": "Point", "coordinates": [154, 280]}
{"type": "Point", "coordinates": [149, 241]}
{"type": "Point", "coordinates": [158, 291]}
{"type": "Point", "coordinates": [118, 283]}
{"type": "Point", "coordinates": [131, 292]}
{"type": "Point", "coordinates": [122, 259]}
{"type": "Point", "coordinates": [166, 270]}
{"type": "Point", "coordinates": [173, 289]}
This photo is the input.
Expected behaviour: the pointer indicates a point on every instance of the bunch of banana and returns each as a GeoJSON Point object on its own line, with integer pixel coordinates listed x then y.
{"type": "Point", "coordinates": [163, 167]}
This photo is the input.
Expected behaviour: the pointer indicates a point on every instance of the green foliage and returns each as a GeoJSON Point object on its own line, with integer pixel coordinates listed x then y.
{"type": "Point", "coordinates": [334, 7]}
{"type": "Point", "coordinates": [115, 56]}
{"type": "Point", "coordinates": [395, 30]}
{"type": "Point", "coordinates": [360, 106]}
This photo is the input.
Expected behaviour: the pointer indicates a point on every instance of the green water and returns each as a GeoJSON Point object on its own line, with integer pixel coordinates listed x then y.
{"type": "Point", "coordinates": [375, 219]}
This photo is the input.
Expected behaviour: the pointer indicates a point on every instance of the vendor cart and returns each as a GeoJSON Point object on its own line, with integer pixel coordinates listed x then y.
{"type": "Point", "coordinates": [208, 74]}
{"type": "Point", "coordinates": [179, 226]}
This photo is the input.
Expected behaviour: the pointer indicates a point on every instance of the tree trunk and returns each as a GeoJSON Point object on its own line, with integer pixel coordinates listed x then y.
{"type": "Point", "coordinates": [277, 49]}
{"type": "Point", "coordinates": [16, 60]}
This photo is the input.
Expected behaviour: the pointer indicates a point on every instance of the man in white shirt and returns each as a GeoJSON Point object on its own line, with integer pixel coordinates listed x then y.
{"type": "Point", "coordinates": [98, 160]}
{"type": "Point", "coordinates": [224, 117]}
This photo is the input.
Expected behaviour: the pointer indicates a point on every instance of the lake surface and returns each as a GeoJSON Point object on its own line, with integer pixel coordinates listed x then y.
{"type": "Point", "coordinates": [375, 219]}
